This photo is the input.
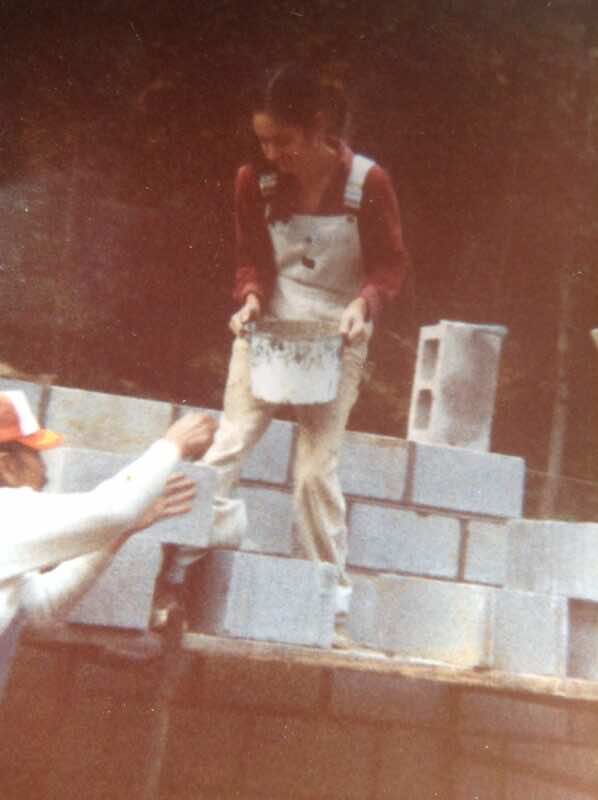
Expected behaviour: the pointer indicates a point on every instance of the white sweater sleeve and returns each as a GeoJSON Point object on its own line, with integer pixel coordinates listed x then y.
{"type": "Point", "coordinates": [49, 595]}
{"type": "Point", "coordinates": [41, 529]}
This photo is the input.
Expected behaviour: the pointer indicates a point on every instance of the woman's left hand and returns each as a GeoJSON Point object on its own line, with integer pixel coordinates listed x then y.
{"type": "Point", "coordinates": [175, 500]}
{"type": "Point", "coordinates": [353, 321]}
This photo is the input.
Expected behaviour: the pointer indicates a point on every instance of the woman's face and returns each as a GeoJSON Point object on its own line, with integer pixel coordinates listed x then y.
{"type": "Point", "coordinates": [288, 147]}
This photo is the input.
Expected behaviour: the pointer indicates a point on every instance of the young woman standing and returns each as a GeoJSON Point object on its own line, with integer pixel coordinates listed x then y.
{"type": "Point", "coordinates": [318, 238]}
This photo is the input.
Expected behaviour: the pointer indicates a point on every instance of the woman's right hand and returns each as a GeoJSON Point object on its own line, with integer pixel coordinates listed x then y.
{"type": "Point", "coordinates": [192, 434]}
{"type": "Point", "coordinates": [251, 310]}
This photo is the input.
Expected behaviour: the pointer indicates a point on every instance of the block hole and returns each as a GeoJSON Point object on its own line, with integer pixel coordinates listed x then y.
{"type": "Point", "coordinates": [583, 640]}
{"type": "Point", "coordinates": [429, 358]}
{"type": "Point", "coordinates": [423, 408]}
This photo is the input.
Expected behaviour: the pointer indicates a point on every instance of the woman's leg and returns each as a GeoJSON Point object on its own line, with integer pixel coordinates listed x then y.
{"type": "Point", "coordinates": [319, 501]}
{"type": "Point", "coordinates": [243, 422]}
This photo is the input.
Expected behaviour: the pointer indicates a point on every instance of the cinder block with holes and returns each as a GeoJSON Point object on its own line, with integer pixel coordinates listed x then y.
{"type": "Point", "coordinates": [452, 401]}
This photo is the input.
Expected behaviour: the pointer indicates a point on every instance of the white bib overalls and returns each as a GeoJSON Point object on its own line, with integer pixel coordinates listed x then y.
{"type": "Point", "coordinates": [319, 272]}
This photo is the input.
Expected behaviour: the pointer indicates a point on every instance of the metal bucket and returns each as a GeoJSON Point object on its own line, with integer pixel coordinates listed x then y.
{"type": "Point", "coordinates": [295, 362]}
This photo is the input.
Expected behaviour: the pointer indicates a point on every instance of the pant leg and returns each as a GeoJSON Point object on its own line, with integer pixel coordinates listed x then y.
{"type": "Point", "coordinates": [242, 423]}
{"type": "Point", "coordinates": [319, 501]}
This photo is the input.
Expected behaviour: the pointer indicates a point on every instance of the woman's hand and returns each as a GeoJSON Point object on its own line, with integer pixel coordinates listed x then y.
{"type": "Point", "coordinates": [353, 321]}
{"type": "Point", "coordinates": [176, 499]}
{"type": "Point", "coordinates": [251, 310]}
{"type": "Point", "coordinates": [192, 434]}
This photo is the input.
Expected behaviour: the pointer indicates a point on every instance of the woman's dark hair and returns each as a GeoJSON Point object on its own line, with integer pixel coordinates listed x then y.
{"type": "Point", "coordinates": [13, 450]}
{"type": "Point", "coordinates": [296, 92]}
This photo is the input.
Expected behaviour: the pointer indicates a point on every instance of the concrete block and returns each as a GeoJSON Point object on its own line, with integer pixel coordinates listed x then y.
{"type": "Point", "coordinates": [374, 466]}
{"type": "Point", "coordinates": [106, 421]}
{"type": "Point", "coordinates": [530, 633]}
{"type": "Point", "coordinates": [454, 388]}
{"type": "Point", "coordinates": [456, 479]}
{"type": "Point", "coordinates": [486, 552]}
{"type": "Point", "coordinates": [583, 640]}
{"type": "Point", "coordinates": [423, 619]}
{"type": "Point", "coordinates": [249, 596]}
{"type": "Point", "coordinates": [497, 714]}
{"type": "Point", "coordinates": [397, 540]}
{"type": "Point", "coordinates": [389, 698]}
{"type": "Point", "coordinates": [553, 558]}
{"type": "Point", "coordinates": [81, 470]}
{"type": "Point", "coordinates": [269, 461]}
{"type": "Point", "coordinates": [122, 595]}
{"type": "Point", "coordinates": [270, 515]}
{"type": "Point", "coordinates": [33, 392]}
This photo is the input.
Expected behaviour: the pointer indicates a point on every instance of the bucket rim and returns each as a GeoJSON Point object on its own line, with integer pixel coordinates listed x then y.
{"type": "Point", "coordinates": [294, 330]}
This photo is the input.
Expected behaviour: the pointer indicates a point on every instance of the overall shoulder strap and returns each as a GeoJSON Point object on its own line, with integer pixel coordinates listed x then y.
{"type": "Point", "coordinates": [360, 166]}
{"type": "Point", "coordinates": [268, 181]}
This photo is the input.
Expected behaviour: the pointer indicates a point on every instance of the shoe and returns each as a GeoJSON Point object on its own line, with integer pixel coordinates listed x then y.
{"type": "Point", "coordinates": [342, 641]}
{"type": "Point", "coordinates": [343, 599]}
{"type": "Point", "coordinates": [167, 600]}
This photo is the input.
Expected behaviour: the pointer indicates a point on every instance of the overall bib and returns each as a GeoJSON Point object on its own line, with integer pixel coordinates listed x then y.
{"type": "Point", "coordinates": [319, 272]}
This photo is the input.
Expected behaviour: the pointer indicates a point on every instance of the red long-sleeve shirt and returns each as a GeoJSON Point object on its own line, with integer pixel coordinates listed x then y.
{"type": "Point", "coordinates": [385, 258]}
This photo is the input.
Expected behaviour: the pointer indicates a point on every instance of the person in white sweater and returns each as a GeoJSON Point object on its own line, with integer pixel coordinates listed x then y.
{"type": "Point", "coordinates": [54, 546]}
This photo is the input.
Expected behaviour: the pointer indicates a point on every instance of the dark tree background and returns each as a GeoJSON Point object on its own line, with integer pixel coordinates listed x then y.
{"type": "Point", "coordinates": [122, 127]}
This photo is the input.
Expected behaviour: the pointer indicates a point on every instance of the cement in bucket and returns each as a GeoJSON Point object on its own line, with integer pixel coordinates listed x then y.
{"type": "Point", "coordinates": [295, 362]}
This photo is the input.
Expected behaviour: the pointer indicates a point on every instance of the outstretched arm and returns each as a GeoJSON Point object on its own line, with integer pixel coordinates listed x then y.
{"type": "Point", "coordinates": [45, 529]}
{"type": "Point", "coordinates": [52, 594]}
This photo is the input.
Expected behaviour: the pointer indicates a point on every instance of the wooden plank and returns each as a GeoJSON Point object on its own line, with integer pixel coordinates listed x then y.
{"type": "Point", "coordinates": [569, 688]}
{"type": "Point", "coordinates": [364, 660]}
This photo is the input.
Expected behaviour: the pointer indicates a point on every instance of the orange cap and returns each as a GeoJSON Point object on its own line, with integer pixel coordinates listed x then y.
{"type": "Point", "coordinates": [18, 423]}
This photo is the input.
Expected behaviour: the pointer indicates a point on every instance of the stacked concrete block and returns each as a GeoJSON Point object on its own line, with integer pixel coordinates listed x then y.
{"type": "Point", "coordinates": [454, 389]}
{"type": "Point", "coordinates": [553, 557]}
{"type": "Point", "coordinates": [250, 596]}
{"type": "Point", "coordinates": [270, 514]}
{"type": "Point", "coordinates": [390, 539]}
{"type": "Point", "coordinates": [559, 561]}
{"type": "Point", "coordinates": [122, 596]}
{"type": "Point", "coordinates": [374, 466]}
{"type": "Point", "coordinates": [486, 551]}
{"type": "Point", "coordinates": [423, 619]}
{"type": "Point", "coordinates": [111, 422]}
{"type": "Point", "coordinates": [465, 480]}
{"type": "Point", "coordinates": [269, 461]}
{"type": "Point", "coordinates": [530, 633]}
{"type": "Point", "coordinates": [450, 478]}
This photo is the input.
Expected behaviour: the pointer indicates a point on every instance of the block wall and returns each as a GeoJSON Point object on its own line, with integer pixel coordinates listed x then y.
{"type": "Point", "coordinates": [83, 726]}
{"type": "Point", "coordinates": [438, 551]}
